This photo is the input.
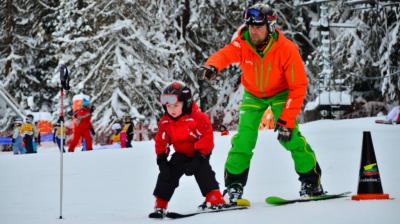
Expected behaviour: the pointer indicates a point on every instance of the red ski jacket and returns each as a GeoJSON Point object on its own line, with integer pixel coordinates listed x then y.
{"type": "Point", "coordinates": [83, 117]}
{"type": "Point", "coordinates": [187, 134]}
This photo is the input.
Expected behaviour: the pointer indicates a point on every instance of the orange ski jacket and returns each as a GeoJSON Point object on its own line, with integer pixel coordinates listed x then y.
{"type": "Point", "coordinates": [279, 67]}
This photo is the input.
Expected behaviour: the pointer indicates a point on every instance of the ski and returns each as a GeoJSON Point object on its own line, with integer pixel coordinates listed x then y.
{"type": "Point", "coordinates": [383, 122]}
{"type": "Point", "coordinates": [274, 200]}
{"type": "Point", "coordinates": [175, 215]}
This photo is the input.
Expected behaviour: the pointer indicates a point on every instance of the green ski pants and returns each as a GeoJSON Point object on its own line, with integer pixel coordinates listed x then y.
{"type": "Point", "coordinates": [243, 143]}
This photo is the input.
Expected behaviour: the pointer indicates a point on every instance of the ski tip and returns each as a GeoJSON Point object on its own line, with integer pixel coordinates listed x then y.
{"type": "Point", "coordinates": [174, 215]}
{"type": "Point", "coordinates": [243, 202]}
{"type": "Point", "coordinates": [274, 200]}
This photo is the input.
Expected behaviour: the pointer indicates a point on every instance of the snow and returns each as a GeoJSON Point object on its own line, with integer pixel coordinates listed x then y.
{"type": "Point", "coordinates": [115, 186]}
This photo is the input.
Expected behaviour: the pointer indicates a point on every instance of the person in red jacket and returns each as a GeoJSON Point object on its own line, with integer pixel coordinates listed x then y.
{"type": "Point", "coordinates": [273, 75]}
{"type": "Point", "coordinates": [189, 131]}
{"type": "Point", "coordinates": [83, 127]}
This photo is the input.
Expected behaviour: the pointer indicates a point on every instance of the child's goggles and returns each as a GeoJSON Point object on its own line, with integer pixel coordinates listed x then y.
{"type": "Point", "coordinates": [168, 99]}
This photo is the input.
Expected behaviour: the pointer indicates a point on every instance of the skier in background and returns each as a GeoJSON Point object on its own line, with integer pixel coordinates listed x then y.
{"type": "Point", "coordinates": [115, 138]}
{"type": "Point", "coordinates": [273, 75]}
{"type": "Point", "coordinates": [17, 137]}
{"type": "Point", "coordinates": [128, 129]}
{"type": "Point", "coordinates": [36, 142]}
{"type": "Point", "coordinates": [83, 127]}
{"type": "Point", "coordinates": [57, 134]}
{"type": "Point", "coordinates": [224, 131]}
{"type": "Point", "coordinates": [394, 115]}
{"type": "Point", "coordinates": [190, 133]}
{"type": "Point", "coordinates": [29, 132]}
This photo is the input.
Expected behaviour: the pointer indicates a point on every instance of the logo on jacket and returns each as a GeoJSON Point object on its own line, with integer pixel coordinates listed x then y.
{"type": "Point", "coordinates": [236, 44]}
{"type": "Point", "coordinates": [248, 62]}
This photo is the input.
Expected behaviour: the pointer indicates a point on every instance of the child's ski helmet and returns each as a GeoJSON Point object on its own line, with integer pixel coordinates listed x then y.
{"type": "Point", "coordinates": [177, 91]}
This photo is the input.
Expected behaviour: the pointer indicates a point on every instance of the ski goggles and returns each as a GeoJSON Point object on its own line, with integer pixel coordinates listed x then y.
{"type": "Point", "coordinates": [255, 16]}
{"type": "Point", "coordinates": [168, 99]}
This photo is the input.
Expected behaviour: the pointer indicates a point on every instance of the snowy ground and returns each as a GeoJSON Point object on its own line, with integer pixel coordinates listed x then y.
{"type": "Point", "coordinates": [115, 186]}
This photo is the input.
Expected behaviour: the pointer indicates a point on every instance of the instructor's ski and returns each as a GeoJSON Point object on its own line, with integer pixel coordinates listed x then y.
{"type": "Point", "coordinates": [274, 200]}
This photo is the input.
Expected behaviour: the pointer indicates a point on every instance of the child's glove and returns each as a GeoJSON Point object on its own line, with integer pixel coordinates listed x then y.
{"type": "Point", "coordinates": [163, 166]}
{"type": "Point", "coordinates": [193, 167]}
{"type": "Point", "coordinates": [284, 133]}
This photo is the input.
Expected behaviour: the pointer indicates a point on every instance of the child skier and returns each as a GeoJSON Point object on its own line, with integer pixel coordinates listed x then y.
{"type": "Point", "coordinates": [57, 135]}
{"type": "Point", "coordinates": [128, 130]}
{"type": "Point", "coordinates": [29, 132]}
{"type": "Point", "coordinates": [190, 133]}
{"type": "Point", "coordinates": [17, 137]}
{"type": "Point", "coordinates": [115, 138]}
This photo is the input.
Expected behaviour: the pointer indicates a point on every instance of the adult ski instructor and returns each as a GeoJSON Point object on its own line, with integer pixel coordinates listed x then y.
{"type": "Point", "coordinates": [272, 75]}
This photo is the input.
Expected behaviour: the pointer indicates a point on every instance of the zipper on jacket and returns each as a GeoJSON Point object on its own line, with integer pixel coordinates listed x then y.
{"type": "Point", "coordinates": [267, 75]}
{"type": "Point", "coordinates": [261, 74]}
{"type": "Point", "coordinates": [256, 72]}
{"type": "Point", "coordinates": [292, 72]}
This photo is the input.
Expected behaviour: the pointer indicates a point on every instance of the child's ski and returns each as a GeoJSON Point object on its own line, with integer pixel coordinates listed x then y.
{"type": "Point", "coordinates": [175, 215]}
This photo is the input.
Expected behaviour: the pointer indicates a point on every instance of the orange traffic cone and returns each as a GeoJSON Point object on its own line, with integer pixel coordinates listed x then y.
{"type": "Point", "coordinates": [369, 182]}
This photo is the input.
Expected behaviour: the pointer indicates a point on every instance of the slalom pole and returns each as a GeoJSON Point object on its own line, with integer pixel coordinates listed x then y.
{"type": "Point", "coordinates": [64, 78]}
{"type": "Point", "coordinates": [61, 150]}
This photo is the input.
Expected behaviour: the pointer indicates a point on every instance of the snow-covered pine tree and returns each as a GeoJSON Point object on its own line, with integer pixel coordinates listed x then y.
{"type": "Point", "coordinates": [26, 58]}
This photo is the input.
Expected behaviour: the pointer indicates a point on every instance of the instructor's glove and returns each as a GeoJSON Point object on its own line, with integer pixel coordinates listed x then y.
{"type": "Point", "coordinates": [193, 166]}
{"type": "Point", "coordinates": [163, 166]}
{"type": "Point", "coordinates": [284, 133]}
{"type": "Point", "coordinates": [208, 72]}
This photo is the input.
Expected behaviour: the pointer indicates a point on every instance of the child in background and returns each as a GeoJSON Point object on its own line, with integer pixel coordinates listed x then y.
{"type": "Point", "coordinates": [128, 130]}
{"type": "Point", "coordinates": [57, 135]}
{"type": "Point", "coordinates": [116, 137]}
{"type": "Point", "coordinates": [29, 132]}
{"type": "Point", "coordinates": [17, 137]}
{"type": "Point", "coordinates": [224, 131]}
{"type": "Point", "coordinates": [190, 133]}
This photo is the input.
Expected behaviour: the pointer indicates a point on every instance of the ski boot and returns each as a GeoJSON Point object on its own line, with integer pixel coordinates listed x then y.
{"type": "Point", "coordinates": [214, 200]}
{"type": "Point", "coordinates": [159, 213]}
{"type": "Point", "coordinates": [311, 190]}
{"type": "Point", "coordinates": [233, 195]}
{"type": "Point", "coordinates": [160, 209]}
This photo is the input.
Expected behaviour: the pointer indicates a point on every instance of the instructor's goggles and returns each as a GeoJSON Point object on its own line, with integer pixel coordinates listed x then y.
{"type": "Point", "coordinates": [168, 99]}
{"type": "Point", "coordinates": [254, 16]}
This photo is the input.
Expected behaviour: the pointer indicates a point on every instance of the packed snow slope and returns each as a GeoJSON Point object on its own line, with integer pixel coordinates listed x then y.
{"type": "Point", "coordinates": [115, 186]}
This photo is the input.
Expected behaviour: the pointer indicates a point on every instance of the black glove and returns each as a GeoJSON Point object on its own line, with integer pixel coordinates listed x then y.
{"type": "Point", "coordinates": [284, 133]}
{"type": "Point", "coordinates": [13, 140]}
{"type": "Point", "coordinates": [193, 166]}
{"type": "Point", "coordinates": [92, 131]}
{"type": "Point", "coordinates": [163, 166]}
{"type": "Point", "coordinates": [207, 72]}
{"type": "Point", "coordinates": [92, 108]}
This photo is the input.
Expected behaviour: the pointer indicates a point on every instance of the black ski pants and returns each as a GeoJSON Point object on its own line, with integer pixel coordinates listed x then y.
{"type": "Point", "coordinates": [28, 143]}
{"type": "Point", "coordinates": [168, 182]}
